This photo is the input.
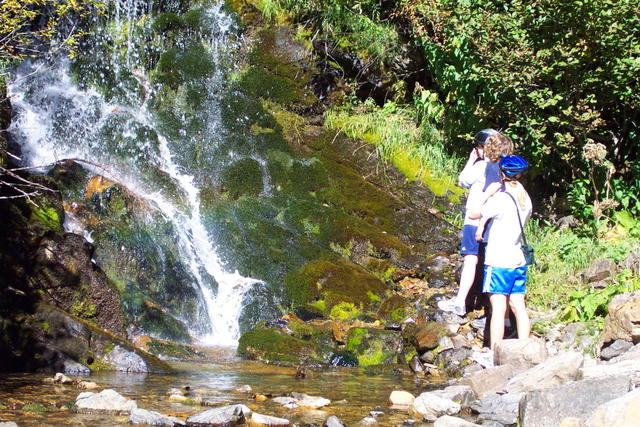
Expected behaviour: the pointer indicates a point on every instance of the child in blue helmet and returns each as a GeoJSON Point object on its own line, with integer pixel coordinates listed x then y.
{"type": "Point", "coordinates": [482, 176]}
{"type": "Point", "coordinates": [505, 270]}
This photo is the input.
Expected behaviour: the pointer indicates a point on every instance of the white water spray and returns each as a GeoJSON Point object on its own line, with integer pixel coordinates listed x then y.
{"type": "Point", "coordinates": [83, 114]}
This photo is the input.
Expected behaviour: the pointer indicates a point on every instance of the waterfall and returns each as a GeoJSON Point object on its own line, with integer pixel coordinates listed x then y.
{"type": "Point", "coordinates": [55, 118]}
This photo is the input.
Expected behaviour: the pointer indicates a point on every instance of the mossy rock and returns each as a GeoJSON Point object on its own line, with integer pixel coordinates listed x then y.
{"type": "Point", "coordinates": [321, 284]}
{"type": "Point", "coordinates": [153, 320]}
{"type": "Point", "coordinates": [173, 350]}
{"type": "Point", "coordinates": [177, 66]}
{"type": "Point", "coordinates": [243, 177]}
{"type": "Point", "coordinates": [374, 346]}
{"type": "Point", "coordinates": [394, 309]}
{"type": "Point", "coordinates": [274, 345]}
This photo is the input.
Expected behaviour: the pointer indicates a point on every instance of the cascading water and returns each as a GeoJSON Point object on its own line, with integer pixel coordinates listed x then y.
{"type": "Point", "coordinates": [57, 117]}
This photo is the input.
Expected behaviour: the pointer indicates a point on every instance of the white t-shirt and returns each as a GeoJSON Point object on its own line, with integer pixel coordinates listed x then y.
{"type": "Point", "coordinates": [504, 234]}
{"type": "Point", "coordinates": [484, 173]}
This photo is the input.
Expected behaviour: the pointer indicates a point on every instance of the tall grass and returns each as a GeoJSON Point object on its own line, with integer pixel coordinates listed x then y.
{"type": "Point", "coordinates": [417, 151]}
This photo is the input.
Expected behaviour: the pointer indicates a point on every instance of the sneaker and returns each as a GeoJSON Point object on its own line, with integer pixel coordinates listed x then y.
{"type": "Point", "coordinates": [452, 306]}
{"type": "Point", "coordinates": [483, 358]}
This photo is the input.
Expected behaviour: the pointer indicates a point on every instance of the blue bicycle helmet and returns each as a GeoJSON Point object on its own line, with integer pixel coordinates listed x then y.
{"type": "Point", "coordinates": [482, 136]}
{"type": "Point", "coordinates": [513, 165]}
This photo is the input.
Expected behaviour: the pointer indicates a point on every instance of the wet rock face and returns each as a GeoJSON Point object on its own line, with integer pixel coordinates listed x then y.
{"type": "Point", "coordinates": [63, 270]}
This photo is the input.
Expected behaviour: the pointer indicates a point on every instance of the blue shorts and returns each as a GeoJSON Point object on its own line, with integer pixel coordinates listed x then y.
{"type": "Point", "coordinates": [506, 281]}
{"type": "Point", "coordinates": [469, 246]}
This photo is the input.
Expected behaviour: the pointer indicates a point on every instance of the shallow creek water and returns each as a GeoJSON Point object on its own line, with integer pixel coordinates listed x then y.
{"type": "Point", "coordinates": [29, 401]}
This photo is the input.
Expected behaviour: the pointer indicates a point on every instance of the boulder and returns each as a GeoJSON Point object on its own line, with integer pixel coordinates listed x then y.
{"type": "Point", "coordinates": [577, 399]}
{"type": "Point", "coordinates": [632, 262]}
{"type": "Point", "coordinates": [221, 416]}
{"type": "Point", "coordinates": [430, 406]}
{"type": "Point", "coordinates": [152, 418]}
{"type": "Point", "coordinates": [333, 421]}
{"type": "Point", "coordinates": [260, 420]}
{"type": "Point", "coordinates": [488, 380]}
{"type": "Point", "coordinates": [629, 368]}
{"type": "Point", "coordinates": [70, 366]}
{"type": "Point", "coordinates": [462, 394]}
{"type": "Point", "coordinates": [426, 336]}
{"type": "Point", "coordinates": [623, 320]}
{"type": "Point", "coordinates": [500, 408]}
{"type": "Point", "coordinates": [621, 412]}
{"type": "Point", "coordinates": [520, 353]}
{"type": "Point", "coordinates": [600, 269]}
{"type": "Point", "coordinates": [126, 361]}
{"type": "Point", "coordinates": [552, 372]}
{"type": "Point", "coordinates": [106, 402]}
{"type": "Point", "coordinates": [400, 399]}
{"type": "Point", "coordinates": [616, 348]}
{"type": "Point", "coordinates": [8, 424]}
{"type": "Point", "coordinates": [313, 402]}
{"type": "Point", "coordinates": [449, 421]}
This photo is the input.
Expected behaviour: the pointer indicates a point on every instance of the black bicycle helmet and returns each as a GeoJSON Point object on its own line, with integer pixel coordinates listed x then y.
{"type": "Point", "coordinates": [482, 136]}
{"type": "Point", "coordinates": [513, 165]}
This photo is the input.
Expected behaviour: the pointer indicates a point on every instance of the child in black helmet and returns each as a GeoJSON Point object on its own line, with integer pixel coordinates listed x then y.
{"type": "Point", "coordinates": [482, 176]}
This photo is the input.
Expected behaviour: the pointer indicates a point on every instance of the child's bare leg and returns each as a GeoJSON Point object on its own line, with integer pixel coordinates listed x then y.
{"type": "Point", "coordinates": [498, 308]}
{"type": "Point", "coordinates": [517, 304]}
{"type": "Point", "coordinates": [467, 277]}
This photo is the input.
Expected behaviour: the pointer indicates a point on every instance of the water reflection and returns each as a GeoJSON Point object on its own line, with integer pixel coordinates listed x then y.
{"type": "Point", "coordinates": [354, 392]}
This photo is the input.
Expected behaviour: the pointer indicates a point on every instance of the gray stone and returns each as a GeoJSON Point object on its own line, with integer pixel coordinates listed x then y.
{"type": "Point", "coordinates": [461, 394]}
{"type": "Point", "coordinates": [577, 399]}
{"type": "Point", "coordinates": [107, 402]}
{"type": "Point", "coordinates": [126, 361]}
{"type": "Point", "coordinates": [430, 406]}
{"type": "Point", "coordinates": [8, 424]}
{"type": "Point", "coordinates": [552, 372]}
{"type": "Point", "coordinates": [368, 420]}
{"type": "Point", "coordinates": [600, 269]}
{"type": "Point", "coordinates": [632, 354]}
{"type": "Point", "coordinates": [449, 421]}
{"type": "Point", "coordinates": [623, 320]}
{"type": "Point", "coordinates": [520, 353]}
{"type": "Point", "coordinates": [615, 349]}
{"type": "Point", "coordinates": [260, 420]}
{"type": "Point", "coordinates": [152, 418]}
{"type": "Point", "coordinates": [632, 262]}
{"type": "Point", "coordinates": [333, 421]}
{"type": "Point", "coordinates": [489, 380]}
{"type": "Point", "coordinates": [222, 416]}
{"type": "Point", "coordinates": [621, 412]}
{"type": "Point", "coordinates": [628, 368]}
{"type": "Point", "coordinates": [501, 408]}
{"type": "Point", "coordinates": [70, 366]}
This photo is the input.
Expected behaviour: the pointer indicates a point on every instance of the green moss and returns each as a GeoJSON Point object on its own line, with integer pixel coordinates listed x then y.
{"type": "Point", "coordinates": [372, 346]}
{"type": "Point", "coordinates": [47, 215]}
{"type": "Point", "coordinates": [173, 350]}
{"type": "Point", "coordinates": [243, 177]}
{"type": "Point", "coordinates": [274, 345]}
{"type": "Point", "coordinates": [167, 21]}
{"type": "Point", "coordinates": [333, 282]}
{"type": "Point", "coordinates": [178, 66]}
{"type": "Point", "coordinates": [261, 83]}
{"type": "Point", "coordinates": [35, 408]}
{"type": "Point", "coordinates": [344, 311]}
{"type": "Point", "coordinates": [99, 365]}
{"type": "Point", "coordinates": [84, 309]}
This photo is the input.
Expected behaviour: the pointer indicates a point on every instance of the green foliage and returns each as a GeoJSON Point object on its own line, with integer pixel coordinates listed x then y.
{"type": "Point", "coordinates": [591, 304]}
{"type": "Point", "coordinates": [560, 254]}
{"type": "Point", "coordinates": [28, 25]}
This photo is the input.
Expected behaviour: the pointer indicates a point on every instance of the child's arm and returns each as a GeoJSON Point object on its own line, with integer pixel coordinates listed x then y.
{"type": "Point", "coordinates": [474, 213]}
{"type": "Point", "coordinates": [467, 175]}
